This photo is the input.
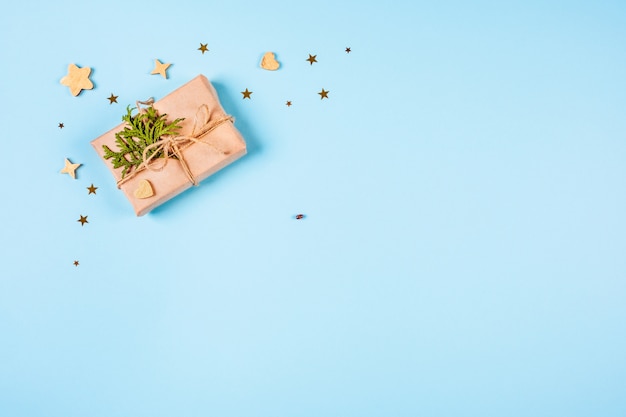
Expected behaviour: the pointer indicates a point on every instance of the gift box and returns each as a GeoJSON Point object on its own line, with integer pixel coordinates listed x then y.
{"type": "Point", "coordinates": [205, 142]}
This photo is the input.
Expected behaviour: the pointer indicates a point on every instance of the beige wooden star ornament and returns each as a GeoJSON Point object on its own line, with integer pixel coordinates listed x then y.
{"type": "Point", "coordinates": [160, 68]}
{"type": "Point", "coordinates": [77, 79]}
{"type": "Point", "coordinates": [70, 168]}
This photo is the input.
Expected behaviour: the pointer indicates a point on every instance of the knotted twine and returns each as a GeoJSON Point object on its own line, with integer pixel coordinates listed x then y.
{"type": "Point", "coordinates": [172, 146]}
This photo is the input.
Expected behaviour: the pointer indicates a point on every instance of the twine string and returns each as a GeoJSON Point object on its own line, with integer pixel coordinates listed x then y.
{"type": "Point", "coordinates": [149, 102]}
{"type": "Point", "coordinates": [172, 146]}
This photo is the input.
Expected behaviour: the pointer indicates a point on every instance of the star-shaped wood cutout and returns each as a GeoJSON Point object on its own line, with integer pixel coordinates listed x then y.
{"type": "Point", "coordinates": [160, 68]}
{"type": "Point", "coordinates": [324, 94]}
{"type": "Point", "coordinates": [82, 220]}
{"type": "Point", "coordinates": [312, 59]}
{"type": "Point", "coordinates": [61, 125]}
{"type": "Point", "coordinates": [92, 189]}
{"type": "Point", "coordinates": [203, 48]}
{"type": "Point", "coordinates": [288, 104]}
{"type": "Point", "coordinates": [112, 99]}
{"type": "Point", "coordinates": [70, 168]}
{"type": "Point", "coordinates": [246, 94]}
{"type": "Point", "coordinates": [77, 79]}
{"type": "Point", "coordinates": [348, 50]}
{"type": "Point", "coordinates": [76, 263]}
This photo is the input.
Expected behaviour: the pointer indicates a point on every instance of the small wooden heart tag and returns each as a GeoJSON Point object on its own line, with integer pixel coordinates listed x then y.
{"type": "Point", "coordinates": [269, 62]}
{"type": "Point", "coordinates": [144, 190]}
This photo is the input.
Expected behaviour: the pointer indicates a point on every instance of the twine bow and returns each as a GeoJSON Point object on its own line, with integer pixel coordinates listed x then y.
{"type": "Point", "coordinates": [172, 146]}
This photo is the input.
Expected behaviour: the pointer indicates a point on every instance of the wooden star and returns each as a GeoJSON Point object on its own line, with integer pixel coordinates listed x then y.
{"type": "Point", "coordinates": [61, 125]}
{"type": "Point", "coordinates": [112, 99]}
{"type": "Point", "coordinates": [288, 104]}
{"type": "Point", "coordinates": [92, 189]}
{"type": "Point", "coordinates": [76, 263]}
{"type": "Point", "coordinates": [77, 79]}
{"type": "Point", "coordinates": [348, 50]}
{"type": "Point", "coordinates": [324, 94]}
{"type": "Point", "coordinates": [82, 220]}
{"type": "Point", "coordinates": [160, 68]}
{"type": "Point", "coordinates": [312, 59]}
{"type": "Point", "coordinates": [246, 94]}
{"type": "Point", "coordinates": [203, 48]}
{"type": "Point", "coordinates": [70, 168]}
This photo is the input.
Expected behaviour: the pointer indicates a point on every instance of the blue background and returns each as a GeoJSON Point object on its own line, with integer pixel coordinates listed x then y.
{"type": "Point", "coordinates": [464, 191]}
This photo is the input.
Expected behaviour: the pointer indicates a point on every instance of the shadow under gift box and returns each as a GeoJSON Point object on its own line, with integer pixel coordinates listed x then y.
{"type": "Point", "coordinates": [222, 146]}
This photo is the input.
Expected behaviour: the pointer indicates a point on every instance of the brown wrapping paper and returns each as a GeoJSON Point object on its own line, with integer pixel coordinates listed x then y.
{"type": "Point", "coordinates": [202, 160]}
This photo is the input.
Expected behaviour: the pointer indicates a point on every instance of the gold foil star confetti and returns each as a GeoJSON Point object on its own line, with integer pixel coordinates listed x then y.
{"type": "Point", "coordinates": [312, 59]}
{"type": "Point", "coordinates": [70, 168]}
{"type": "Point", "coordinates": [76, 263]}
{"type": "Point", "coordinates": [92, 189]}
{"type": "Point", "coordinates": [348, 50]}
{"type": "Point", "coordinates": [77, 79]}
{"type": "Point", "coordinates": [160, 68]}
{"type": "Point", "coordinates": [323, 94]}
{"type": "Point", "coordinates": [203, 48]}
{"type": "Point", "coordinates": [82, 220]}
{"type": "Point", "coordinates": [61, 125]}
{"type": "Point", "coordinates": [112, 99]}
{"type": "Point", "coordinates": [246, 94]}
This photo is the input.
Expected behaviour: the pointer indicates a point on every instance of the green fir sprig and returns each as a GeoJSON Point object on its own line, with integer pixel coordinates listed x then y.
{"type": "Point", "coordinates": [141, 130]}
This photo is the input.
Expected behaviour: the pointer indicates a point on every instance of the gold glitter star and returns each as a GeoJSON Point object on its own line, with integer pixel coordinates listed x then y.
{"type": "Point", "coordinates": [324, 94]}
{"type": "Point", "coordinates": [77, 79]}
{"type": "Point", "coordinates": [82, 220]}
{"type": "Point", "coordinates": [203, 48]}
{"type": "Point", "coordinates": [112, 99]}
{"type": "Point", "coordinates": [311, 59]}
{"type": "Point", "coordinates": [246, 94]}
{"type": "Point", "coordinates": [76, 263]}
{"type": "Point", "coordinates": [160, 68]}
{"type": "Point", "coordinates": [288, 104]}
{"type": "Point", "coordinates": [92, 189]}
{"type": "Point", "coordinates": [69, 168]}
{"type": "Point", "coordinates": [348, 50]}
{"type": "Point", "coordinates": [61, 125]}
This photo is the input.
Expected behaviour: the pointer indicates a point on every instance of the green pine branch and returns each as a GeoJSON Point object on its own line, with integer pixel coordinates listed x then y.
{"type": "Point", "coordinates": [141, 131]}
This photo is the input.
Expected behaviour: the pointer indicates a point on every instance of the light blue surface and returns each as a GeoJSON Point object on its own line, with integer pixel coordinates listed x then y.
{"type": "Point", "coordinates": [464, 187]}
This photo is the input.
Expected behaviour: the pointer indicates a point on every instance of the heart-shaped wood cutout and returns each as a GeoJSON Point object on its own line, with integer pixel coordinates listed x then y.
{"type": "Point", "coordinates": [269, 62]}
{"type": "Point", "coordinates": [144, 190]}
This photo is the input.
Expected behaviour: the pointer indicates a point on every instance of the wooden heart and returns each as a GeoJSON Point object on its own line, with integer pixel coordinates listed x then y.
{"type": "Point", "coordinates": [269, 62]}
{"type": "Point", "coordinates": [144, 190]}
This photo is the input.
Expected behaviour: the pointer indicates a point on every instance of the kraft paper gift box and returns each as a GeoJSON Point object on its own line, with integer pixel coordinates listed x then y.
{"type": "Point", "coordinates": [200, 154]}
